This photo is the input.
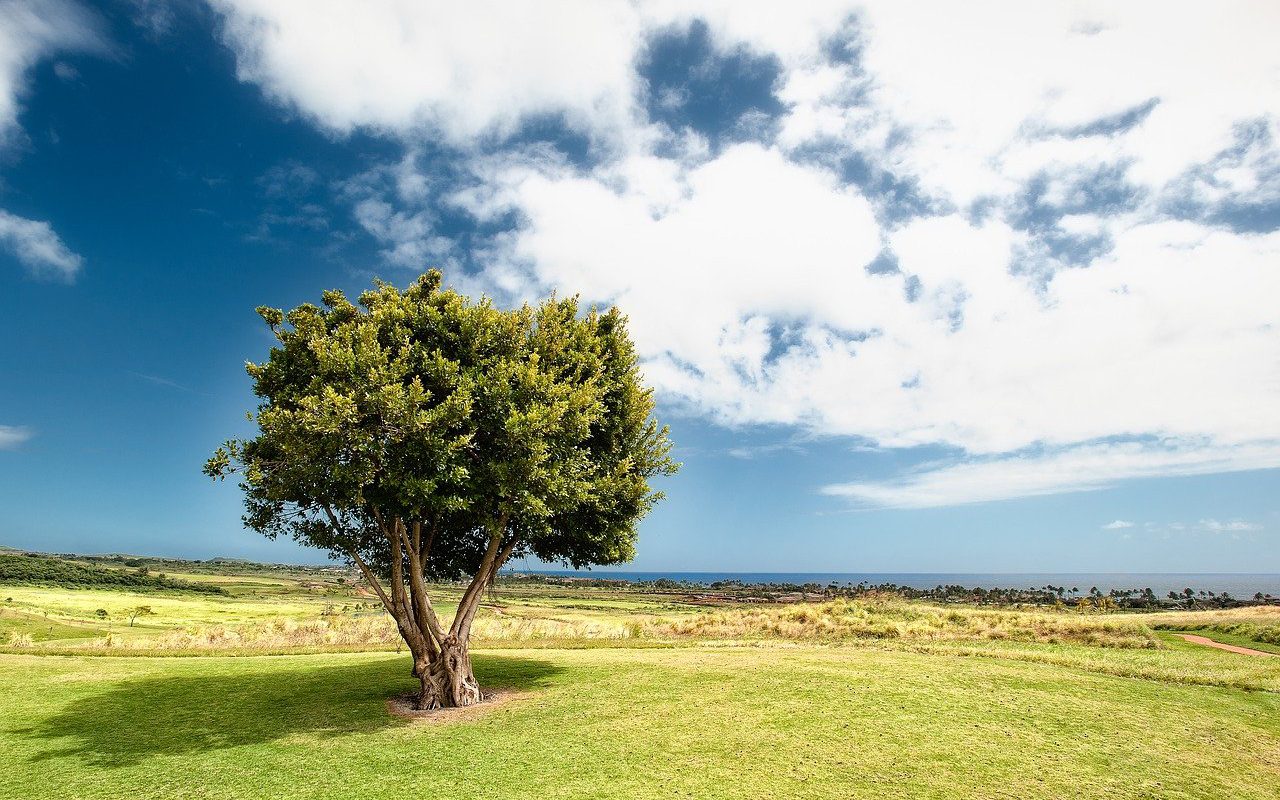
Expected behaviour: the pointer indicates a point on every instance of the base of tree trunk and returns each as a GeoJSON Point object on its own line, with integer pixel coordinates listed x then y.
{"type": "Point", "coordinates": [447, 681]}
{"type": "Point", "coordinates": [405, 706]}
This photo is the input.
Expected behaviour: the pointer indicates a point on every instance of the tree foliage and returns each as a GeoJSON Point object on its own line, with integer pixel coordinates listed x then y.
{"type": "Point", "coordinates": [425, 436]}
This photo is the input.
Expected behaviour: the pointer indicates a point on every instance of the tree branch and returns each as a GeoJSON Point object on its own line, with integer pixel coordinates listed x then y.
{"type": "Point", "coordinates": [471, 597]}
{"type": "Point", "coordinates": [371, 578]}
{"type": "Point", "coordinates": [426, 613]}
{"type": "Point", "coordinates": [400, 611]}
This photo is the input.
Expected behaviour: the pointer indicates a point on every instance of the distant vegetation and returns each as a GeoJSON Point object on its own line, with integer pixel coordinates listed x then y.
{"type": "Point", "coordinates": [1091, 600]}
{"type": "Point", "coordinates": [35, 570]}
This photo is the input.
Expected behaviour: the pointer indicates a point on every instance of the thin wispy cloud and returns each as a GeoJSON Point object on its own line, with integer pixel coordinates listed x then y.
{"type": "Point", "coordinates": [749, 452]}
{"type": "Point", "coordinates": [1074, 469]}
{"type": "Point", "coordinates": [1229, 526]}
{"type": "Point", "coordinates": [38, 248]}
{"type": "Point", "coordinates": [159, 380]}
{"type": "Point", "coordinates": [1117, 525]}
{"type": "Point", "coordinates": [12, 436]}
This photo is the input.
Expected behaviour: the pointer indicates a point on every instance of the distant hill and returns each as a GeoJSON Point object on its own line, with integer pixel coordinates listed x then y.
{"type": "Point", "coordinates": [36, 570]}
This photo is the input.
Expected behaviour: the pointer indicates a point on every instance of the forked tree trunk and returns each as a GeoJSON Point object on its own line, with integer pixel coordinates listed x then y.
{"type": "Point", "coordinates": [441, 658]}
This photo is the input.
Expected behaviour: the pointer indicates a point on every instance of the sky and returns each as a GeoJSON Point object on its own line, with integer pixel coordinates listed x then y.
{"type": "Point", "coordinates": [921, 287]}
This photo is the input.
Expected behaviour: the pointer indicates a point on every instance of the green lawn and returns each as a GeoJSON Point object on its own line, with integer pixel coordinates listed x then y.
{"type": "Point", "coordinates": [43, 629]}
{"type": "Point", "coordinates": [704, 722]}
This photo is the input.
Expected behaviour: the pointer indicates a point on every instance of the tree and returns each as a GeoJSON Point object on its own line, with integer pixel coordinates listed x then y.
{"type": "Point", "coordinates": [140, 611]}
{"type": "Point", "coordinates": [423, 436]}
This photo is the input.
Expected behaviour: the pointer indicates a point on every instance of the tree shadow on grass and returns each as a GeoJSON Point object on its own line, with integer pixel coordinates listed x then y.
{"type": "Point", "coordinates": [214, 705]}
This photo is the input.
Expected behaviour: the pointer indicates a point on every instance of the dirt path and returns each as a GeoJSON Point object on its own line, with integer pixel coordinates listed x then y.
{"type": "Point", "coordinates": [1245, 651]}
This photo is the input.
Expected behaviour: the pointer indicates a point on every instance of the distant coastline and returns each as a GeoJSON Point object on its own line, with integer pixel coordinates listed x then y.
{"type": "Point", "coordinates": [1239, 585]}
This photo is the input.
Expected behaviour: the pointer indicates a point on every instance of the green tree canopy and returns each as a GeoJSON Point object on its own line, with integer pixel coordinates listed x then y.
{"type": "Point", "coordinates": [425, 436]}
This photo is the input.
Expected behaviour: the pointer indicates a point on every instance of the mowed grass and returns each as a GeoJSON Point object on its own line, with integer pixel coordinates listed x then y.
{"type": "Point", "coordinates": [686, 722]}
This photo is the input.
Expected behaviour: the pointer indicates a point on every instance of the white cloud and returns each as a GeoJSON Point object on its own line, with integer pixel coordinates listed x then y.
{"type": "Point", "coordinates": [988, 92]}
{"type": "Point", "coordinates": [30, 32]}
{"type": "Point", "coordinates": [11, 436]}
{"type": "Point", "coordinates": [713, 263]}
{"type": "Point", "coordinates": [466, 71]}
{"type": "Point", "coordinates": [744, 269]}
{"type": "Point", "coordinates": [1229, 526]}
{"type": "Point", "coordinates": [1074, 469]}
{"type": "Point", "coordinates": [1117, 525]}
{"type": "Point", "coordinates": [750, 302]}
{"type": "Point", "coordinates": [751, 452]}
{"type": "Point", "coordinates": [37, 246]}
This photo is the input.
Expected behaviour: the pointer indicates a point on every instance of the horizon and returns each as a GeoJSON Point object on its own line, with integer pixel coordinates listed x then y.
{"type": "Point", "coordinates": [909, 302]}
{"type": "Point", "coordinates": [1240, 585]}
{"type": "Point", "coordinates": [624, 569]}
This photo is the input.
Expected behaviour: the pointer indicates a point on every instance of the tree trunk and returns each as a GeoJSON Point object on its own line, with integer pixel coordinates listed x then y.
{"type": "Point", "coordinates": [441, 661]}
{"type": "Point", "coordinates": [447, 681]}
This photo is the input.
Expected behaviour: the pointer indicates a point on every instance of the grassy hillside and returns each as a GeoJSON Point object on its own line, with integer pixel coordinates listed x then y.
{"type": "Point", "coordinates": [25, 570]}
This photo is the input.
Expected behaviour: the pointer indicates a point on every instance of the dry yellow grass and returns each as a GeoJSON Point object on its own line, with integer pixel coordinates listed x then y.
{"type": "Point", "coordinates": [1252, 615]}
{"type": "Point", "coordinates": [891, 618]}
{"type": "Point", "coordinates": [282, 634]}
{"type": "Point", "coordinates": [884, 618]}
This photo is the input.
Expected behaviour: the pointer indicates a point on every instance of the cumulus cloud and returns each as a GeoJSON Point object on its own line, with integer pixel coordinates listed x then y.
{"type": "Point", "coordinates": [752, 303]}
{"type": "Point", "coordinates": [972, 99]}
{"type": "Point", "coordinates": [11, 436]}
{"type": "Point", "coordinates": [464, 71]}
{"type": "Point", "coordinates": [991, 229]}
{"type": "Point", "coordinates": [35, 244]}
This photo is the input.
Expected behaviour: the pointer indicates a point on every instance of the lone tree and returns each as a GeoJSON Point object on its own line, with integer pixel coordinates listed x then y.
{"type": "Point", "coordinates": [426, 437]}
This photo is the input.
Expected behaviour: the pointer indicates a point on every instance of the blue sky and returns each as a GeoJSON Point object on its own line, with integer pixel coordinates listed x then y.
{"type": "Point", "coordinates": [958, 291]}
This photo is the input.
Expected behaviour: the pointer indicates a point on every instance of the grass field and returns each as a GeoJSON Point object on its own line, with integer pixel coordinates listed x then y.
{"type": "Point", "coordinates": [694, 722]}
{"type": "Point", "coordinates": [614, 693]}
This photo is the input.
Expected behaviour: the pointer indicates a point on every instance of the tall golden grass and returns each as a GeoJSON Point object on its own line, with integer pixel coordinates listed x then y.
{"type": "Point", "coordinates": [275, 635]}
{"type": "Point", "coordinates": [883, 618]}
{"type": "Point", "coordinates": [889, 617]}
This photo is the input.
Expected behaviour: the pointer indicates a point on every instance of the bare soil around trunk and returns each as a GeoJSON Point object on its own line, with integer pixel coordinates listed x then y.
{"type": "Point", "coordinates": [403, 707]}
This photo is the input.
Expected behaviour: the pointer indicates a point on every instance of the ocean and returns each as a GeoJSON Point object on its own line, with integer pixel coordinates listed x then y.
{"type": "Point", "coordinates": [1238, 585]}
